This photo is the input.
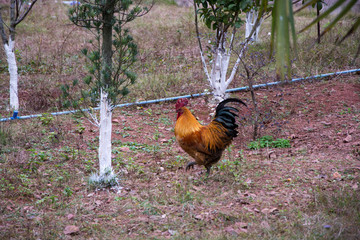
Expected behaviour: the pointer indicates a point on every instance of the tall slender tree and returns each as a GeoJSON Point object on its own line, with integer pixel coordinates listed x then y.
{"type": "Point", "coordinates": [110, 62]}
{"type": "Point", "coordinates": [19, 9]}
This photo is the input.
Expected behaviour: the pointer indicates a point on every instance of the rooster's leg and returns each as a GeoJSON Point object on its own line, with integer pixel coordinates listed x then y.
{"type": "Point", "coordinates": [190, 165]}
{"type": "Point", "coordinates": [208, 170]}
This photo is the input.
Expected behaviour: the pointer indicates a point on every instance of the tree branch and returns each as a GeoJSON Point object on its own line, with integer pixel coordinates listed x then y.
{"type": "Point", "coordinates": [2, 30]}
{"type": "Point", "coordinates": [94, 121]}
{"type": "Point", "coordinates": [247, 40]}
{"type": "Point", "coordinates": [200, 46]}
{"type": "Point", "coordinates": [236, 65]}
{"type": "Point", "coordinates": [22, 17]}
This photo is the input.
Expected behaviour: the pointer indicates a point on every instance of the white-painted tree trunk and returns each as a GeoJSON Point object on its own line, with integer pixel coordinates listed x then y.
{"type": "Point", "coordinates": [13, 70]}
{"type": "Point", "coordinates": [105, 134]}
{"type": "Point", "coordinates": [251, 18]}
{"type": "Point", "coordinates": [218, 80]}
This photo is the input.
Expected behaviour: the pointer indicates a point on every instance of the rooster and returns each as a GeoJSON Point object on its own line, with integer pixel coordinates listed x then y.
{"type": "Point", "coordinates": [205, 143]}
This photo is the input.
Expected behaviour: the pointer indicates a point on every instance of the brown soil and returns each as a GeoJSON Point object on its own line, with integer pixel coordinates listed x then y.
{"type": "Point", "coordinates": [160, 199]}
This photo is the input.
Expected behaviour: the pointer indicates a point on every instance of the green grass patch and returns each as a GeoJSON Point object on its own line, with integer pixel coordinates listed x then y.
{"type": "Point", "coordinates": [269, 142]}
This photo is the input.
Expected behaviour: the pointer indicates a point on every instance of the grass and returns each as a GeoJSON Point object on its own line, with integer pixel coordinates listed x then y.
{"type": "Point", "coordinates": [269, 142]}
{"type": "Point", "coordinates": [45, 162]}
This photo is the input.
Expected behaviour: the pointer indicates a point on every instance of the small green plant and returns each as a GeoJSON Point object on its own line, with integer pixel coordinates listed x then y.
{"type": "Point", "coordinates": [346, 111]}
{"type": "Point", "coordinates": [175, 162]}
{"type": "Point", "coordinates": [187, 197]}
{"type": "Point", "coordinates": [36, 159]}
{"type": "Point", "coordinates": [89, 165]}
{"type": "Point", "coordinates": [46, 119]}
{"type": "Point", "coordinates": [148, 111]}
{"type": "Point", "coordinates": [119, 199]}
{"type": "Point", "coordinates": [149, 209]}
{"type": "Point", "coordinates": [67, 191]}
{"type": "Point", "coordinates": [6, 185]}
{"type": "Point", "coordinates": [269, 142]}
{"type": "Point", "coordinates": [53, 199]}
{"type": "Point", "coordinates": [133, 167]}
{"type": "Point", "coordinates": [166, 121]}
{"type": "Point", "coordinates": [80, 128]}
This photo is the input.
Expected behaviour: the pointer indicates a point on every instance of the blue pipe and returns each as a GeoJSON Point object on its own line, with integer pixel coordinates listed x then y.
{"type": "Point", "coordinates": [15, 115]}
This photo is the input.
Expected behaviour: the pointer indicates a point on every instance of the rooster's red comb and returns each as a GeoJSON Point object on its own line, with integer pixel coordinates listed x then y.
{"type": "Point", "coordinates": [182, 102]}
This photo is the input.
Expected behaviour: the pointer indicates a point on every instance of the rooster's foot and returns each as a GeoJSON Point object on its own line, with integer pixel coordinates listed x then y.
{"type": "Point", "coordinates": [208, 170]}
{"type": "Point", "coordinates": [190, 165]}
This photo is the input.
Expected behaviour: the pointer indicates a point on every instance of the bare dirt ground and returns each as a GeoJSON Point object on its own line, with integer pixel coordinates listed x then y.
{"type": "Point", "coordinates": [308, 191]}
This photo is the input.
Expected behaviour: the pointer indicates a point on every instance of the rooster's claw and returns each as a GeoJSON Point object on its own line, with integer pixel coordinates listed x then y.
{"type": "Point", "coordinates": [190, 165]}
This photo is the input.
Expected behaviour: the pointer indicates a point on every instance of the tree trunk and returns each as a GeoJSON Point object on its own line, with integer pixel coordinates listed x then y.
{"type": "Point", "coordinates": [13, 70]}
{"type": "Point", "coordinates": [251, 18]}
{"type": "Point", "coordinates": [218, 80]}
{"type": "Point", "coordinates": [256, 112]}
{"type": "Point", "coordinates": [16, 16]}
{"type": "Point", "coordinates": [105, 102]}
{"type": "Point", "coordinates": [105, 134]}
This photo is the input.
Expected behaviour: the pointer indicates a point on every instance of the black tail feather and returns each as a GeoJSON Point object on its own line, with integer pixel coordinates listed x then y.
{"type": "Point", "coordinates": [224, 116]}
{"type": "Point", "coordinates": [222, 104]}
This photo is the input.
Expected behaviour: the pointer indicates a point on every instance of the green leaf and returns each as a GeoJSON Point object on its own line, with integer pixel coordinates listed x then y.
{"type": "Point", "coordinates": [88, 79]}
{"type": "Point", "coordinates": [343, 12]}
{"type": "Point", "coordinates": [307, 4]}
{"type": "Point", "coordinates": [84, 51]}
{"type": "Point", "coordinates": [325, 14]}
{"type": "Point", "coordinates": [75, 82]}
{"type": "Point", "coordinates": [125, 91]}
{"type": "Point", "coordinates": [351, 30]}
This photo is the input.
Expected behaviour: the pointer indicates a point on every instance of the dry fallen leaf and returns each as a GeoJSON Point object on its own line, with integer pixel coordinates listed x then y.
{"type": "Point", "coordinates": [327, 124]}
{"type": "Point", "coordinates": [237, 228]}
{"type": "Point", "coordinates": [248, 181]}
{"type": "Point", "coordinates": [293, 136]}
{"type": "Point", "coordinates": [230, 230]}
{"type": "Point", "coordinates": [172, 232]}
{"type": "Point", "coordinates": [268, 211]}
{"type": "Point", "coordinates": [272, 155]}
{"type": "Point", "coordinates": [124, 149]}
{"type": "Point", "coordinates": [71, 230]}
{"type": "Point", "coordinates": [241, 224]}
{"type": "Point", "coordinates": [265, 225]}
{"type": "Point", "coordinates": [348, 139]}
{"type": "Point", "coordinates": [336, 175]}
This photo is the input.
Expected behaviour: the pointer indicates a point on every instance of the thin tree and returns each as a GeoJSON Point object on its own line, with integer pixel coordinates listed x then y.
{"type": "Point", "coordinates": [319, 6]}
{"type": "Point", "coordinates": [223, 17]}
{"type": "Point", "coordinates": [19, 9]}
{"type": "Point", "coordinates": [253, 67]}
{"type": "Point", "coordinates": [254, 20]}
{"type": "Point", "coordinates": [110, 62]}
{"type": "Point", "coordinates": [251, 18]}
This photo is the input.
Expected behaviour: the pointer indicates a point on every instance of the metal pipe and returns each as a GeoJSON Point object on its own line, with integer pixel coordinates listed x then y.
{"type": "Point", "coordinates": [15, 115]}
